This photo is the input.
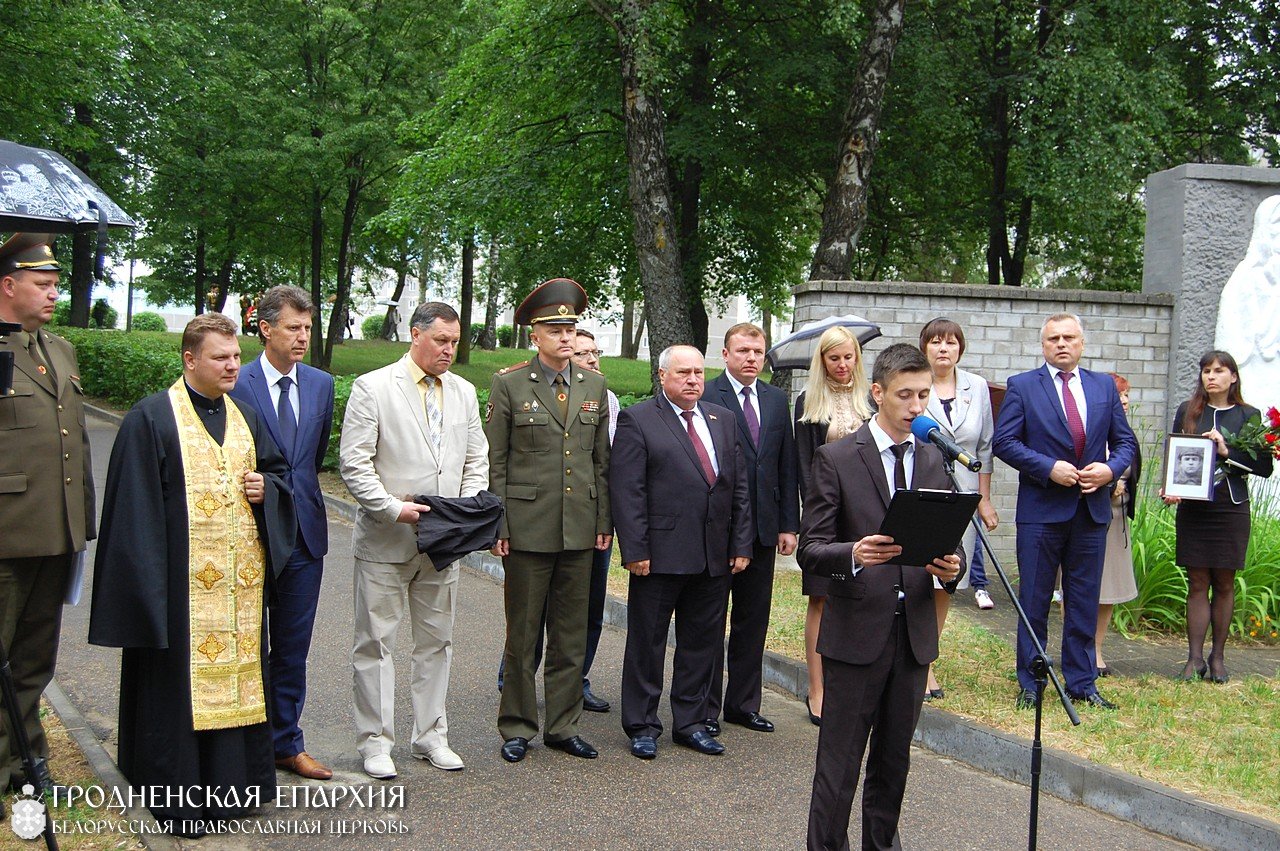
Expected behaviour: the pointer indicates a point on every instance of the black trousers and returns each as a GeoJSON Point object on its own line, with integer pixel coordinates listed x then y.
{"type": "Point", "coordinates": [751, 592]}
{"type": "Point", "coordinates": [879, 703]}
{"type": "Point", "coordinates": [697, 602]}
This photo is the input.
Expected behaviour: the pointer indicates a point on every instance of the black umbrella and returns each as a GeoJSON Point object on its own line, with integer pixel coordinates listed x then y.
{"type": "Point", "coordinates": [41, 191]}
{"type": "Point", "coordinates": [796, 351]}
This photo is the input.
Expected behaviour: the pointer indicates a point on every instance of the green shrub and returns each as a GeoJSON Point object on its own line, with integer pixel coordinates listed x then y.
{"type": "Point", "coordinates": [371, 327]}
{"type": "Point", "coordinates": [341, 393]}
{"type": "Point", "coordinates": [123, 368]}
{"type": "Point", "coordinates": [148, 321]}
{"type": "Point", "coordinates": [506, 336]}
{"type": "Point", "coordinates": [103, 315]}
{"type": "Point", "coordinates": [61, 314]}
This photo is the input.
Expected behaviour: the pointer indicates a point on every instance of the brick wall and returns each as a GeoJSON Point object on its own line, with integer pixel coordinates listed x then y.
{"type": "Point", "coordinates": [1128, 333]}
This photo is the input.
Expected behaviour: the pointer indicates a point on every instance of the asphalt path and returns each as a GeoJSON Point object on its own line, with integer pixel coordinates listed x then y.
{"type": "Point", "coordinates": [754, 796]}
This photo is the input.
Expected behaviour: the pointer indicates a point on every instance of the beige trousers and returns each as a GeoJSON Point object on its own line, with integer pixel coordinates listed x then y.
{"type": "Point", "coordinates": [380, 594]}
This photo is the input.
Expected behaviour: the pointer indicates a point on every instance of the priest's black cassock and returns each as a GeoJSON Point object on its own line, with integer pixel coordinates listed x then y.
{"type": "Point", "coordinates": [141, 603]}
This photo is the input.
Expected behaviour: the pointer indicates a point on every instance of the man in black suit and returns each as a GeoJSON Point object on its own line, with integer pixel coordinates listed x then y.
{"type": "Point", "coordinates": [769, 449]}
{"type": "Point", "coordinates": [879, 630]}
{"type": "Point", "coordinates": [682, 512]}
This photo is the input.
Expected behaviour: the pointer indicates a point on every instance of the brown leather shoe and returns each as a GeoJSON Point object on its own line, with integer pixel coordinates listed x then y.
{"type": "Point", "coordinates": [305, 765]}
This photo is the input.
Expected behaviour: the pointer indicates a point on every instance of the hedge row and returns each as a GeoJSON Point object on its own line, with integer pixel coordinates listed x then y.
{"type": "Point", "coordinates": [123, 368]}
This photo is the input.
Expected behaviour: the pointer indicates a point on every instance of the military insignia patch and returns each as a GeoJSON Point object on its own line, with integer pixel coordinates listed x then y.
{"type": "Point", "coordinates": [591, 406]}
{"type": "Point", "coordinates": [488, 411]}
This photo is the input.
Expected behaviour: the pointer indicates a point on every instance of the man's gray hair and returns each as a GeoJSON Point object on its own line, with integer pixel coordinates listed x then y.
{"type": "Point", "coordinates": [430, 311]}
{"type": "Point", "coordinates": [274, 300]}
{"type": "Point", "coordinates": [1062, 317]}
{"type": "Point", "coordinates": [664, 359]}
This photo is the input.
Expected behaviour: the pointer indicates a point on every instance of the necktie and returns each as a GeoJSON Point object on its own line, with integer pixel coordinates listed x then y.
{"type": "Point", "coordinates": [704, 459]}
{"type": "Point", "coordinates": [899, 451]}
{"type": "Point", "coordinates": [1074, 424]}
{"type": "Point", "coordinates": [562, 398]}
{"type": "Point", "coordinates": [37, 353]}
{"type": "Point", "coordinates": [435, 417]}
{"type": "Point", "coordinates": [753, 421]}
{"type": "Point", "coordinates": [284, 415]}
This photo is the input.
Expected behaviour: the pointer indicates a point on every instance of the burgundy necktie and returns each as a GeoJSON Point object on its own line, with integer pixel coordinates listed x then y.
{"type": "Point", "coordinates": [703, 458]}
{"type": "Point", "coordinates": [753, 421]}
{"type": "Point", "coordinates": [1074, 423]}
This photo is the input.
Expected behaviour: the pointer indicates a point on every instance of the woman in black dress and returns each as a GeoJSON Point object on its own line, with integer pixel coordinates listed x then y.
{"type": "Point", "coordinates": [835, 403]}
{"type": "Point", "coordinates": [1214, 536]}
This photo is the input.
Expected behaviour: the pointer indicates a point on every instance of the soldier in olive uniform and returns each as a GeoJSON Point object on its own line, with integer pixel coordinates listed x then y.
{"type": "Point", "coordinates": [46, 485]}
{"type": "Point", "coordinates": [548, 430]}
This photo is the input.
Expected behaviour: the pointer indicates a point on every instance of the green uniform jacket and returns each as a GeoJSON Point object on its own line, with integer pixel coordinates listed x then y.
{"type": "Point", "coordinates": [46, 478]}
{"type": "Point", "coordinates": [552, 476]}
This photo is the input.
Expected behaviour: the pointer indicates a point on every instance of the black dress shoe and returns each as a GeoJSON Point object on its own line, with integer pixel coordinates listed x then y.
{"type": "Point", "coordinates": [644, 747]}
{"type": "Point", "coordinates": [700, 742]}
{"type": "Point", "coordinates": [713, 727]}
{"type": "Point", "coordinates": [513, 750]}
{"type": "Point", "coordinates": [591, 703]}
{"type": "Point", "coordinates": [815, 720]}
{"type": "Point", "coordinates": [752, 721]}
{"type": "Point", "coordinates": [1193, 670]}
{"type": "Point", "coordinates": [1026, 699]}
{"type": "Point", "coordinates": [1095, 700]}
{"type": "Point", "coordinates": [575, 746]}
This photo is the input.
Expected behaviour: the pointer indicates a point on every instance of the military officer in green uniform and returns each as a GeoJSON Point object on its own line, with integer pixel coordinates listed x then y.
{"type": "Point", "coordinates": [46, 485]}
{"type": "Point", "coordinates": [548, 430]}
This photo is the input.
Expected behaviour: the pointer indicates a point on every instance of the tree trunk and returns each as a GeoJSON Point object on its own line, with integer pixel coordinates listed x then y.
{"type": "Point", "coordinates": [689, 183]}
{"type": "Point", "coordinates": [464, 300]}
{"type": "Point", "coordinates": [634, 345]}
{"type": "Point", "coordinates": [393, 310]}
{"type": "Point", "coordinates": [844, 212]}
{"type": "Point", "coordinates": [342, 299]}
{"type": "Point", "coordinates": [222, 282]}
{"type": "Point", "coordinates": [649, 188]}
{"type": "Point", "coordinates": [628, 319]}
{"type": "Point", "coordinates": [202, 270]}
{"type": "Point", "coordinates": [489, 336]}
{"type": "Point", "coordinates": [317, 281]}
{"type": "Point", "coordinates": [83, 247]}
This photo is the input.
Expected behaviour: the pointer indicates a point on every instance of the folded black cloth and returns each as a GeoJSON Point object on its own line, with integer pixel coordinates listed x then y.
{"type": "Point", "coordinates": [457, 525]}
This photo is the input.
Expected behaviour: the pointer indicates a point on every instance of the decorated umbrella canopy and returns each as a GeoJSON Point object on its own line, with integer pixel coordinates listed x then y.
{"type": "Point", "coordinates": [41, 191]}
{"type": "Point", "coordinates": [796, 351]}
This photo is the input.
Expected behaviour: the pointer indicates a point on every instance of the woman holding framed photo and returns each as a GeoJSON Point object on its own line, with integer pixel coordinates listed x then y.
{"type": "Point", "coordinates": [1213, 533]}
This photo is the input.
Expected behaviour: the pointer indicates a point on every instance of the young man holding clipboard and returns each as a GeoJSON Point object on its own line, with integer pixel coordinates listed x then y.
{"type": "Point", "coordinates": [879, 630]}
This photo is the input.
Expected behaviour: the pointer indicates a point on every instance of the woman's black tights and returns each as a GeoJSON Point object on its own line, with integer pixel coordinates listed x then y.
{"type": "Point", "coordinates": [1201, 613]}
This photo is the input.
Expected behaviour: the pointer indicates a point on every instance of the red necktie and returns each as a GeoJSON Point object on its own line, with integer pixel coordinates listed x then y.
{"type": "Point", "coordinates": [1074, 423]}
{"type": "Point", "coordinates": [703, 458]}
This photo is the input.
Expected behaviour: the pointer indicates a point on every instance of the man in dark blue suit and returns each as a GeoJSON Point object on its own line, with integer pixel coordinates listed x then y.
{"type": "Point", "coordinates": [1063, 429]}
{"type": "Point", "coordinates": [295, 402]}
{"type": "Point", "coordinates": [769, 448]}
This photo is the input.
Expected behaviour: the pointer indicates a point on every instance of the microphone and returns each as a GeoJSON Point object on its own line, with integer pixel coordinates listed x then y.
{"type": "Point", "coordinates": [927, 429]}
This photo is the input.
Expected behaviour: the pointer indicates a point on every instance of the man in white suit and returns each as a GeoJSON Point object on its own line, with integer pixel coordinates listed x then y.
{"type": "Point", "coordinates": [411, 428]}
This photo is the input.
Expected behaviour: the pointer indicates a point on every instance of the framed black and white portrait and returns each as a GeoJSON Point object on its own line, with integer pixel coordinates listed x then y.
{"type": "Point", "coordinates": [1188, 466]}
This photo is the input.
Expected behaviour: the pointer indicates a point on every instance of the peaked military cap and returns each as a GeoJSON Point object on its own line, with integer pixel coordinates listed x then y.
{"type": "Point", "coordinates": [31, 251]}
{"type": "Point", "coordinates": [559, 301]}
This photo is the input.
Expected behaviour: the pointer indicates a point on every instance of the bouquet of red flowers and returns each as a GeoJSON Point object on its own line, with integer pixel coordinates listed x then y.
{"type": "Point", "coordinates": [1263, 435]}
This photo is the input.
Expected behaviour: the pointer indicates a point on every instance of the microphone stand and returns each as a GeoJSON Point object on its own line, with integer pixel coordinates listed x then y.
{"type": "Point", "coordinates": [1041, 666]}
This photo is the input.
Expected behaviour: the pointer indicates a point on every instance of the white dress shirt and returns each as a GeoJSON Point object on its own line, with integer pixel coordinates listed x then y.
{"type": "Point", "coordinates": [701, 428]}
{"type": "Point", "coordinates": [273, 376]}
{"type": "Point", "coordinates": [1077, 391]}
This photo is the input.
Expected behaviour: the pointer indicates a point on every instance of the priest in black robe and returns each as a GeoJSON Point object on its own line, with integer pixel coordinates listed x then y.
{"type": "Point", "coordinates": [196, 517]}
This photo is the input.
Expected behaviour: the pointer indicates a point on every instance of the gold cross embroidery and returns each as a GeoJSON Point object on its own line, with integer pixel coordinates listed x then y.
{"type": "Point", "coordinates": [209, 576]}
{"type": "Point", "coordinates": [211, 647]}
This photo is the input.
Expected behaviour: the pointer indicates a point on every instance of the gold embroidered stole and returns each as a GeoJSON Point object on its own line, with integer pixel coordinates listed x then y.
{"type": "Point", "coordinates": [225, 570]}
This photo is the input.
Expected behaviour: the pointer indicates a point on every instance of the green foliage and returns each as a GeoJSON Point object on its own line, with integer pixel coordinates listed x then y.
{"type": "Point", "coordinates": [1162, 584]}
{"type": "Point", "coordinates": [506, 336]}
{"type": "Point", "coordinates": [61, 314]}
{"type": "Point", "coordinates": [371, 327]}
{"type": "Point", "coordinates": [148, 321]}
{"type": "Point", "coordinates": [341, 393]}
{"type": "Point", "coordinates": [103, 315]}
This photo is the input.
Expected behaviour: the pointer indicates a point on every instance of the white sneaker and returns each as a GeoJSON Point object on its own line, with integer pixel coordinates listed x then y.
{"type": "Point", "coordinates": [379, 767]}
{"type": "Point", "coordinates": [983, 599]}
{"type": "Point", "coordinates": [443, 758]}
{"type": "Point", "coordinates": [1057, 597]}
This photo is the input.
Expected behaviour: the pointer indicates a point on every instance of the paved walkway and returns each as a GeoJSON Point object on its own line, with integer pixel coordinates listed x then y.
{"type": "Point", "coordinates": [755, 796]}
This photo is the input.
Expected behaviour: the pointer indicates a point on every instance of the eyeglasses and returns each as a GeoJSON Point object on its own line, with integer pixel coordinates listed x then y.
{"type": "Point", "coordinates": [591, 353]}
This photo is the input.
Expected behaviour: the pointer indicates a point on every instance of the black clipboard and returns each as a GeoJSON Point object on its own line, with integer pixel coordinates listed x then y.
{"type": "Point", "coordinates": [928, 524]}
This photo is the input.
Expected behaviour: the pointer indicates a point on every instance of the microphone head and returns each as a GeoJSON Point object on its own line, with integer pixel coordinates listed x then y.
{"type": "Point", "coordinates": [922, 425]}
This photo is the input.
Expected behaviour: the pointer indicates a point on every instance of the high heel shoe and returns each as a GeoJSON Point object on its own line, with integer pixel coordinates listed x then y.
{"type": "Point", "coordinates": [815, 720]}
{"type": "Point", "coordinates": [1190, 672]}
